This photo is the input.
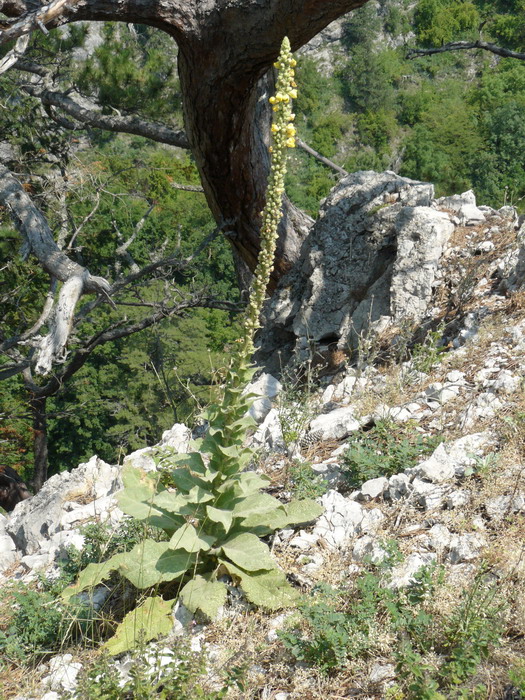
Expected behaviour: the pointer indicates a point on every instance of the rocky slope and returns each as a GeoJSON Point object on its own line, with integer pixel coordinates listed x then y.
{"type": "Point", "coordinates": [407, 338]}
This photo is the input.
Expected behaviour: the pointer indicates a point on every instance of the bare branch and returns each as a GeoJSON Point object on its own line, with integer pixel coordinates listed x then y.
{"type": "Point", "coordinates": [16, 52]}
{"type": "Point", "coordinates": [187, 188]}
{"type": "Point", "coordinates": [308, 149]}
{"type": "Point", "coordinates": [37, 19]}
{"type": "Point", "coordinates": [465, 45]}
{"type": "Point", "coordinates": [34, 228]}
{"type": "Point", "coordinates": [90, 116]}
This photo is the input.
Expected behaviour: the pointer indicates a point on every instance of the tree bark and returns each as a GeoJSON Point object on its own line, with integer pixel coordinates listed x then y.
{"type": "Point", "coordinates": [38, 410]}
{"type": "Point", "coordinates": [226, 51]}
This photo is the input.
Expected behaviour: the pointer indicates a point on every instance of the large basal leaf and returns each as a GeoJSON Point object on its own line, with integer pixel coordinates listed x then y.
{"type": "Point", "coordinates": [192, 460]}
{"type": "Point", "coordinates": [247, 551]}
{"type": "Point", "coordinates": [206, 596]}
{"type": "Point", "coordinates": [150, 563]}
{"type": "Point", "coordinates": [150, 620]}
{"type": "Point", "coordinates": [92, 575]}
{"type": "Point", "coordinates": [249, 483]}
{"type": "Point", "coordinates": [185, 480]}
{"type": "Point", "coordinates": [223, 517]}
{"type": "Point", "coordinates": [188, 539]}
{"type": "Point", "coordinates": [267, 589]}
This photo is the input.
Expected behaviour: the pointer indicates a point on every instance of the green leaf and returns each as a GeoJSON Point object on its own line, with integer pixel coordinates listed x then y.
{"type": "Point", "coordinates": [248, 483]}
{"type": "Point", "coordinates": [150, 562]}
{"type": "Point", "coordinates": [185, 480]}
{"type": "Point", "coordinates": [187, 538]}
{"type": "Point", "coordinates": [92, 575]}
{"type": "Point", "coordinates": [136, 499]}
{"type": "Point", "coordinates": [303, 511]}
{"type": "Point", "coordinates": [256, 503]}
{"type": "Point", "coordinates": [217, 515]}
{"type": "Point", "coordinates": [150, 620]}
{"type": "Point", "coordinates": [267, 589]}
{"type": "Point", "coordinates": [247, 550]}
{"type": "Point", "coordinates": [192, 460]}
{"type": "Point", "coordinates": [207, 596]}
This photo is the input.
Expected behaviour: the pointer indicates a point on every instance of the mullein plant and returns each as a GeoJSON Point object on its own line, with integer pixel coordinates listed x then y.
{"type": "Point", "coordinates": [214, 512]}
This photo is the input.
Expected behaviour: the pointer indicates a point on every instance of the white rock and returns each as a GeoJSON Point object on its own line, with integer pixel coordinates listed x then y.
{"type": "Point", "coordinates": [398, 486]}
{"type": "Point", "coordinates": [373, 488]}
{"type": "Point", "coordinates": [428, 495]}
{"type": "Point", "coordinates": [458, 498]}
{"type": "Point", "coordinates": [465, 207]}
{"type": "Point", "coordinates": [439, 537]}
{"type": "Point", "coordinates": [315, 563]}
{"type": "Point", "coordinates": [502, 506]}
{"type": "Point", "coordinates": [341, 520]}
{"type": "Point", "coordinates": [304, 540]}
{"type": "Point", "coordinates": [381, 672]}
{"type": "Point", "coordinates": [437, 468]}
{"type": "Point", "coordinates": [63, 673]}
{"type": "Point", "coordinates": [269, 434]}
{"type": "Point", "coordinates": [8, 554]}
{"type": "Point", "coordinates": [337, 424]}
{"type": "Point", "coordinates": [366, 548]}
{"type": "Point", "coordinates": [260, 408]}
{"type": "Point", "coordinates": [506, 382]}
{"type": "Point", "coordinates": [442, 393]}
{"type": "Point", "coordinates": [265, 385]}
{"type": "Point", "coordinates": [182, 619]}
{"type": "Point", "coordinates": [178, 437]}
{"type": "Point", "coordinates": [456, 377]}
{"type": "Point", "coordinates": [464, 548]}
{"type": "Point", "coordinates": [403, 574]}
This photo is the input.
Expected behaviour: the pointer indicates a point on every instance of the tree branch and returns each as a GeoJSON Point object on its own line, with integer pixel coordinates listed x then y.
{"type": "Point", "coordinates": [89, 116]}
{"type": "Point", "coordinates": [35, 230]}
{"type": "Point", "coordinates": [325, 161]}
{"type": "Point", "coordinates": [465, 45]}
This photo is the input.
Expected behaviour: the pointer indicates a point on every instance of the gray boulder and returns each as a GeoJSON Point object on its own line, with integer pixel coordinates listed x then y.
{"type": "Point", "coordinates": [371, 256]}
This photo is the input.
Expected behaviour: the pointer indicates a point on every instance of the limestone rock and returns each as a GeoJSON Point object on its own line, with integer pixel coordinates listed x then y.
{"type": "Point", "coordinates": [371, 256]}
{"type": "Point", "coordinates": [337, 424]}
{"type": "Point", "coordinates": [46, 513]}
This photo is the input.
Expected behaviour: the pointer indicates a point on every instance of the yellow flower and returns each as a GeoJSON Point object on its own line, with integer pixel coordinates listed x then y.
{"type": "Point", "coordinates": [293, 93]}
{"type": "Point", "coordinates": [272, 100]}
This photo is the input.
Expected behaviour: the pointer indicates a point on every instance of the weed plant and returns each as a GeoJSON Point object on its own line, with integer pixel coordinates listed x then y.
{"type": "Point", "coordinates": [305, 483]}
{"type": "Point", "coordinates": [215, 513]}
{"type": "Point", "coordinates": [386, 449]}
{"type": "Point", "coordinates": [152, 675]}
{"type": "Point", "coordinates": [436, 651]}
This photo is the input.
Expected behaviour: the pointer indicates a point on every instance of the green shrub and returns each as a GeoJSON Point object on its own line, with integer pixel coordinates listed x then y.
{"type": "Point", "coordinates": [386, 449]}
{"type": "Point", "coordinates": [37, 626]}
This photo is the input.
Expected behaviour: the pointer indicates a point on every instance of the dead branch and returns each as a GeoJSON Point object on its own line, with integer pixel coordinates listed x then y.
{"type": "Point", "coordinates": [465, 45]}
{"type": "Point", "coordinates": [325, 161]}
{"type": "Point", "coordinates": [33, 227]}
{"type": "Point", "coordinates": [37, 19]}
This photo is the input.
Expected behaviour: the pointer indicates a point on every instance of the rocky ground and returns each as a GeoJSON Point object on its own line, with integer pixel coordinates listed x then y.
{"type": "Point", "coordinates": [413, 442]}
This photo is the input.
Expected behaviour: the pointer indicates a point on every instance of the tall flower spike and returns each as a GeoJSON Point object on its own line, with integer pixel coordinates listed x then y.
{"type": "Point", "coordinates": [283, 133]}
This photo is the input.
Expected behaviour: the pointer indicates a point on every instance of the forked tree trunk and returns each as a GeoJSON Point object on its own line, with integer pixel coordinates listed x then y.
{"type": "Point", "coordinates": [226, 51]}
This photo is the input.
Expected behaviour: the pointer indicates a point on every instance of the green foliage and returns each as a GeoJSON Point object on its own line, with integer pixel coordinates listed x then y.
{"type": "Point", "coordinates": [153, 677]}
{"type": "Point", "coordinates": [426, 355]}
{"type": "Point", "coordinates": [133, 70]}
{"type": "Point", "coordinates": [517, 677]}
{"type": "Point", "coordinates": [36, 627]}
{"type": "Point", "coordinates": [439, 21]}
{"type": "Point", "coordinates": [435, 650]}
{"type": "Point", "coordinates": [305, 483]}
{"type": "Point", "coordinates": [386, 449]}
